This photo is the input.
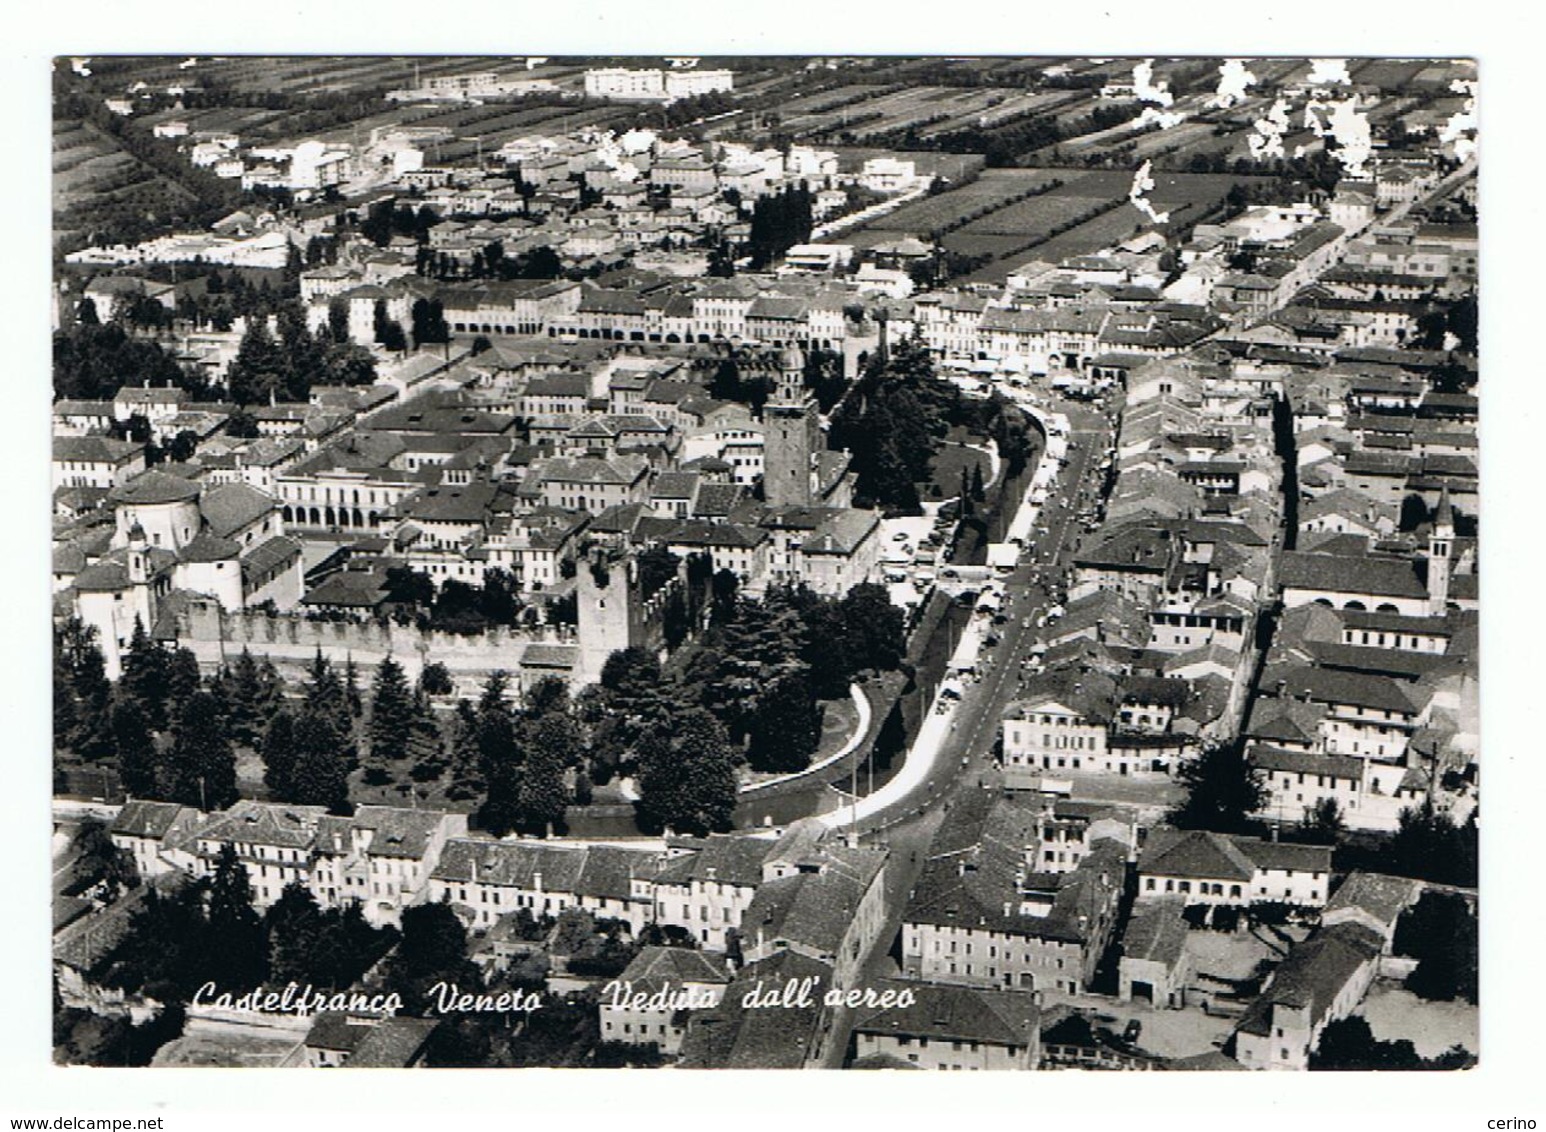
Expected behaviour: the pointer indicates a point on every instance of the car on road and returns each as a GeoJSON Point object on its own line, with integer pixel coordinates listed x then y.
{"type": "Point", "coordinates": [900, 536]}
{"type": "Point", "coordinates": [1131, 1031]}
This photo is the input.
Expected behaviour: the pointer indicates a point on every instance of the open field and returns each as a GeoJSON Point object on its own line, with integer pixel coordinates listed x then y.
{"type": "Point", "coordinates": [984, 218]}
{"type": "Point", "coordinates": [992, 190]}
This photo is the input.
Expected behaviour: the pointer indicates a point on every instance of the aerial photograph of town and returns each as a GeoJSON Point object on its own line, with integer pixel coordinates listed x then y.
{"type": "Point", "coordinates": [764, 562]}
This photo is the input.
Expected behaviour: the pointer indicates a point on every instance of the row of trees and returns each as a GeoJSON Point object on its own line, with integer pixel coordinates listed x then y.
{"type": "Point", "coordinates": [893, 421]}
{"type": "Point", "coordinates": [779, 221]}
{"type": "Point", "coordinates": [207, 930]}
{"type": "Point", "coordinates": [92, 361]}
{"type": "Point", "coordinates": [746, 692]}
{"type": "Point", "coordinates": [285, 368]}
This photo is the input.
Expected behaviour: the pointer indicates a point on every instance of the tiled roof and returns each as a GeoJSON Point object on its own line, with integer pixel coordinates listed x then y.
{"type": "Point", "coordinates": [154, 487]}
{"type": "Point", "coordinates": [231, 507]}
{"type": "Point", "coordinates": [1195, 853]}
{"type": "Point", "coordinates": [95, 449]}
{"type": "Point", "coordinates": [950, 1013]}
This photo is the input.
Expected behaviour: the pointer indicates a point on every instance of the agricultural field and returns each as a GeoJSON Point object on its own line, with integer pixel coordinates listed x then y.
{"type": "Point", "coordinates": [1387, 74]}
{"type": "Point", "coordinates": [1031, 219]}
{"type": "Point", "coordinates": [992, 190]}
{"type": "Point", "coordinates": [1020, 232]}
{"type": "Point", "coordinates": [96, 181]}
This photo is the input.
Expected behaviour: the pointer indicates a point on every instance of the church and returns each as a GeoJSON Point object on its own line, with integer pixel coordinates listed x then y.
{"type": "Point", "coordinates": [170, 539]}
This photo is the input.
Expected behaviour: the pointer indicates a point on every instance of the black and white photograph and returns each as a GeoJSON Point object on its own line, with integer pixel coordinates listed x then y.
{"type": "Point", "coordinates": [584, 553]}
{"type": "Point", "coordinates": [832, 562]}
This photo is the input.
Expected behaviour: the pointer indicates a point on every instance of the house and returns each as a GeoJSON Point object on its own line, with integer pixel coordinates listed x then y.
{"type": "Point", "coordinates": [154, 405]}
{"type": "Point", "coordinates": [158, 836]}
{"type": "Point", "coordinates": [1369, 793]}
{"type": "Point", "coordinates": [590, 483]}
{"type": "Point", "coordinates": [821, 899]}
{"type": "Point", "coordinates": [1323, 979]}
{"type": "Point", "coordinates": [485, 880]}
{"type": "Point", "coordinates": [1373, 901]}
{"type": "Point", "coordinates": [1214, 868]}
{"type": "Point", "coordinates": [980, 914]}
{"type": "Point", "coordinates": [1060, 724]}
{"type": "Point", "coordinates": [95, 461]}
{"type": "Point", "coordinates": [1155, 965]}
{"type": "Point", "coordinates": [952, 1028]}
{"type": "Point", "coordinates": [783, 1029]}
{"type": "Point", "coordinates": [650, 1002]}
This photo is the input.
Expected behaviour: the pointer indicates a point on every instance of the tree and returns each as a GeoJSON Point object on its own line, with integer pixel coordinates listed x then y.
{"type": "Point", "coordinates": [1223, 790]}
{"type": "Point", "coordinates": [352, 698]}
{"type": "Point", "coordinates": [164, 954]}
{"type": "Point", "coordinates": [1324, 823]}
{"type": "Point", "coordinates": [500, 758]}
{"type": "Point", "coordinates": [99, 863]}
{"type": "Point", "coordinates": [182, 678]}
{"type": "Point", "coordinates": [388, 331]}
{"type": "Point", "coordinates": [874, 627]}
{"type": "Point", "coordinates": [139, 761]}
{"type": "Point", "coordinates": [145, 676]}
{"type": "Point", "coordinates": [548, 696]}
{"type": "Point", "coordinates": [1414, 512]}
{"type": "Point", "coordinates": [542, 797]}
{"type": "Point", "coordinates": [303, 357]}
{"type": "Point", "coordinates": [686, 775]}
{"type": "Point", "coordinates": [391, 713]}
{"type": "Point", "coordinates": [1428, 845]}
{"type": "Point", "coordinates": [657, 567]}
{"type": "Point", "coordinates": [257, 372]}
{"type": "Point", "coordinates": [326, 693]}
{"type": "Point", "coordinates": [787, 726]}
{"type": "Point", "coordinates": [235, 949]}
{"type": "Point", "coordinates": [1350, 1044]}
{"type": "Point", "coordinates": [201, 770]}
{"type": "Point", "coordinates": [279, 755]}
{"type": "Point", "coordinates": [252, 693]}
{"type": "Point", "coordinates": [433, 949]}
{"type": "Point", "coordinates": [466, 754]}
{"type": "Point", "coordinates": [338, 321]}
{"type": "Point", "coordinates": [319, 771]}
{"type": "Point", "coordinates": [1440, 932]}
{"type": "Point", "coordinates": [429, 322]}
{"type": "Point", "coordinates": [292, 928]}
{"type": "Point", "coordinates": [435, 679]}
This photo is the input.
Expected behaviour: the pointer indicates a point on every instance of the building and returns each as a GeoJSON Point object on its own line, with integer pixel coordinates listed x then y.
{"type": "Point", "coordinates": [952, 1028]}
{"type": "Point", "coordinates": [1323, 979]}
{"type": "Point", "coordinates": [982, 915]}
{"type": "Point", "coordinates": [1202, 867]}
{"type": "Point", "coordinates": [656, 994]}
{"type": "Point", "coordinates": [790, 437]}
{"type": "Point", "coordinates": [1155, 966]}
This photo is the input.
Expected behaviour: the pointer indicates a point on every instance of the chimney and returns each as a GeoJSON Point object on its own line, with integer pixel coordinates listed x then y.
{"type": "Point", "coordinates": [536, 880]}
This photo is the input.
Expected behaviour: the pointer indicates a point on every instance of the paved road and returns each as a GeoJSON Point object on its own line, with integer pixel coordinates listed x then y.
{"type": "Point", "coordinates": [966, 754]}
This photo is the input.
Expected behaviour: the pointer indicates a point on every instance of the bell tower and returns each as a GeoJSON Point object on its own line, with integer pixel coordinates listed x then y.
{"type": "Point", "coordinates": [1441, 556]}
{"type": "Point", "coordinates": [790, 435]}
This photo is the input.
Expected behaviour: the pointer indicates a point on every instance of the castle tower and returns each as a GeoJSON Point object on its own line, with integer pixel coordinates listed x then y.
{"type": "Point", "coordinates": [790, 433]}
{"type": "Point", "coordinates": [610, 614]}
{"type": "Point", "coordinates": [1441, 552]}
